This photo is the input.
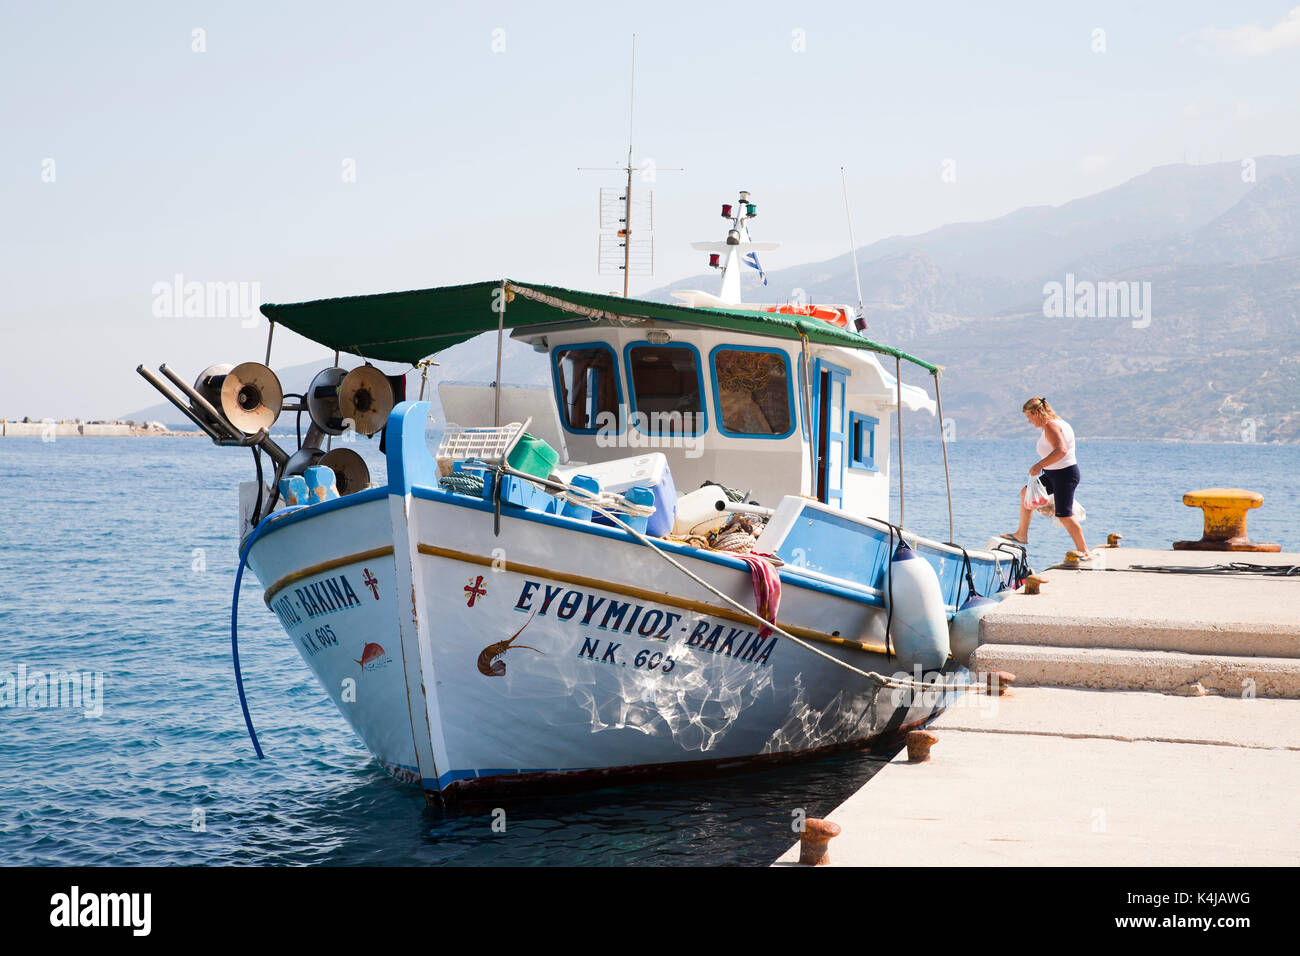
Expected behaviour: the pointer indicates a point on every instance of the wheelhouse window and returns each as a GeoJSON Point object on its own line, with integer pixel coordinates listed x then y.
{"type": "Point", "coordinates": [754, 396]}
{"type": "Point", "coordinates": [862, 441]}
{"type": "Point", "coordinates": [586, 382]}
{"type": "Point", "coordinates": [667, 389]}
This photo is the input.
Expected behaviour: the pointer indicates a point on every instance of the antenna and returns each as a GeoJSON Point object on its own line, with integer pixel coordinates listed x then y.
{"type": "Point", "coordinates": [859, 323]}
{"type": "Point", "coordinates": [630, 236]}
{"type": "Point", "coordinates": [631, 111]}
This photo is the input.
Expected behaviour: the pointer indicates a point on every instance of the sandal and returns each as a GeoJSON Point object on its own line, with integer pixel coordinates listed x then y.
{"type": "Point", "coordinates": [1012, 537]}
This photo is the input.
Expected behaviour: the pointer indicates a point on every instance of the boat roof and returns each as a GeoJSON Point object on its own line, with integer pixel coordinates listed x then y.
{"type": "Point", "coordinates": [407, 326]}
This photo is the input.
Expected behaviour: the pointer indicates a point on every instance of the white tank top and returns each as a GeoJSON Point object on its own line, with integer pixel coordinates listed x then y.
{"type": "Point", "coordinates": [1045, 446]}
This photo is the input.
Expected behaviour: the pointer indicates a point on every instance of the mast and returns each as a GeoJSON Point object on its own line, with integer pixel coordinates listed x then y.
{"type": "Point", "coordinates": [860, 322]}
{"type": "Point", "coordinates": [738, 247]}
{"type": "Point", "coordinates": [616, 211]}
{"type": "Point", "coordinates": [627, 196]}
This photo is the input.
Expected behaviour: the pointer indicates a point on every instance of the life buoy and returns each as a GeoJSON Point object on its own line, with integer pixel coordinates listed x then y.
{"type": "Point", "coordinates": [826, 313]}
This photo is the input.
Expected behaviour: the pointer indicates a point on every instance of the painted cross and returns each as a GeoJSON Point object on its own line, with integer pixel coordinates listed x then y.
{"type": "Point", "coordinates": [475, 589]}
{"type": "Point", "coordinates": [371, 582]}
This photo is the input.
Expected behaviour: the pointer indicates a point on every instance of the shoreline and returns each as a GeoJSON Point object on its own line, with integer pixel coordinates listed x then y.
{"type": "Point", "coordinates": [49, 429]}
{"type": "Point", "coordinates": [119, 428]}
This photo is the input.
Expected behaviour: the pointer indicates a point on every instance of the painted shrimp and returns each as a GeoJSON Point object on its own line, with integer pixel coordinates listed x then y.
{"type": "Point", "coordinates": [489, 660]}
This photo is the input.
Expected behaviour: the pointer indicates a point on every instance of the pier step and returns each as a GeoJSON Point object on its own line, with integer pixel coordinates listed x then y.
{"type": "Point", "coordinates": [1110, 606]}
{"type": "Point", "coordinates": [1168, 672]}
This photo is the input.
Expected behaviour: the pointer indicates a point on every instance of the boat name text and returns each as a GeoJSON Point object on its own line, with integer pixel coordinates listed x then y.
{"type": "Point", "coordinates": [647, 621]}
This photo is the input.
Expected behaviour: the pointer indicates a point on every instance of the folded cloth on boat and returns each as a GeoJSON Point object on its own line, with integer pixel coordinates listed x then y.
{"type": "Point", "coordinates": [767, 589]}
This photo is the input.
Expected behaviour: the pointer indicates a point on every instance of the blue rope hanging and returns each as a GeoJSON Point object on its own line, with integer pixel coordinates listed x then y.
{"type": "Point", "coordinates": [234, 623]}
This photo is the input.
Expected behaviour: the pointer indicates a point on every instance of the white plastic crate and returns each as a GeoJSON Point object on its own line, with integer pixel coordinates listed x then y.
{"type": "Point", "coordinates": [490, 445]}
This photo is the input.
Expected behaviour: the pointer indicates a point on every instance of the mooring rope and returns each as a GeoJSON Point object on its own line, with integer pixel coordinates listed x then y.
{"type": "Point", "coordinates": [880, 679]}
{"type": "Point", "coordinates": [1234, 567]}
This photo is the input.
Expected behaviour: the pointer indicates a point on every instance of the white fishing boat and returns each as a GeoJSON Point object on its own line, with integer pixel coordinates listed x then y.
{"type": "Point", "coordinates": [563, 586]}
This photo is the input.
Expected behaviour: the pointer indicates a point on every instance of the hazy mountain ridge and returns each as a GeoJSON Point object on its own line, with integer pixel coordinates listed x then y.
{"type": "Point", "coordinates": [1217, 361]}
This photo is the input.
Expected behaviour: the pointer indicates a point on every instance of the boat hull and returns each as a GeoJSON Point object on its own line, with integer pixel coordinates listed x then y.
{"type": "Point", "coordinates": [562, 653]}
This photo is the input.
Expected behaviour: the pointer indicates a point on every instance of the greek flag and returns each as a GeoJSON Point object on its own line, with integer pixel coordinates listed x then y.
{"type": "Point", "coordinates": [751, 260]}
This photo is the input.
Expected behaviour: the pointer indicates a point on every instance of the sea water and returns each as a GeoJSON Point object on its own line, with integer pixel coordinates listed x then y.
{"type": "Point", "coordinates": [117, 559]}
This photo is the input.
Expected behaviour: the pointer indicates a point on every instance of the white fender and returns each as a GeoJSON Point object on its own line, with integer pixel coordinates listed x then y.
{"type": "Point", "coordinates": [920, 625]}
{"type": "Point", "coordinates": [964, 629]}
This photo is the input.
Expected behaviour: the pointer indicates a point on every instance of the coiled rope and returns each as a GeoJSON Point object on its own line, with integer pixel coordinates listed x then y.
{"type": "Point", "coordinates": [462, 483]}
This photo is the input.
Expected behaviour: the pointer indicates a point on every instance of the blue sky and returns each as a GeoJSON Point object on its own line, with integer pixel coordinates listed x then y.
{"type": "Point", "coordinates": [228, 164]}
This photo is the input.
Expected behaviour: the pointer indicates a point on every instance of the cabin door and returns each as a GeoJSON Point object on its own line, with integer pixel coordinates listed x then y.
{"type": "Point", "coordinates": [829, 435]}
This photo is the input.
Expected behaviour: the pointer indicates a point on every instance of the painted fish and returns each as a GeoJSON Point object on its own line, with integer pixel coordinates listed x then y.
{"type": "Point", "coordinates": [369, 653]}
{"type": "Point", "coordinates": [489, 661]}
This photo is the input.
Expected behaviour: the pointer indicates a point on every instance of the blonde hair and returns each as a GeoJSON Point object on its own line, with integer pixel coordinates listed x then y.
{"type": "Point", "coordinates": [1040, 406]}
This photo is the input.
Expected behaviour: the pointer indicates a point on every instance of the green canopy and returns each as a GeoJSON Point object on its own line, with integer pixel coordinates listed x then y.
{"type": "Point", "coordinates": [407, 326]}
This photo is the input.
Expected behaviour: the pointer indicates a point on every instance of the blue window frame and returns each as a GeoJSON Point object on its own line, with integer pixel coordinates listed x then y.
{"type": "Point", "coordinates": [659, 383]}
{"type": "Point", "coordinates": [835, 378]}
{"type": "Point", "coordinates": [764, 401]}
{"type": "Point", "coordinates": [862, 442]}
{"type": "Point", "coordinates": [586, 382]}
{"type": "Point", "coordinates": [802, 398]}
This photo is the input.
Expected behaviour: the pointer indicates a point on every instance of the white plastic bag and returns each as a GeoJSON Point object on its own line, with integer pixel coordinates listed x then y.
{"type": "Point", "coordinates": [1035, 493]}
{"type": "Point", "coordinates": [1049, 511]}
{"type": "Point", "coordinates": [1079, 515]}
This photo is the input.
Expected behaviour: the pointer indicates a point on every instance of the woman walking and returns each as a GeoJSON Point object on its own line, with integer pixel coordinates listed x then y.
{"type": "Point", "coordinates": [1059, 470]}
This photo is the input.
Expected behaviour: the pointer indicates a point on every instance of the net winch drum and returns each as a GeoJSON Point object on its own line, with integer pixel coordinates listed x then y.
{"type": "Point", "coordinates": [248, 395]}
{"type": "Point", "coordinates": [366, 397]}
{"type": "Point", "coordinates": [323, 401]}
{"type": "Point", "coordinates": [350, 471]}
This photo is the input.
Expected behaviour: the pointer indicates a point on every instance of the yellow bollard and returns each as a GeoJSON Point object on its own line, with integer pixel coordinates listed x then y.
{"type": "Point", "coordinates": [1225, 520]}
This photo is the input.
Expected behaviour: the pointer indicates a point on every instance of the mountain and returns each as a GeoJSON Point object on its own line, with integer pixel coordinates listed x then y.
{"type": "Point", "coordinates": [1219, 358]}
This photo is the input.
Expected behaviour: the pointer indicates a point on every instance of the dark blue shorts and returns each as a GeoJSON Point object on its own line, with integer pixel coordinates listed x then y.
{"type": "Point", "coordinates": [1060, 484]}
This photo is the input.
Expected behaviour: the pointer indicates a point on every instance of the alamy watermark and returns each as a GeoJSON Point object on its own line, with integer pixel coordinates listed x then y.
{"type": "Point", "coordinates": [42, 690]}
{"type": "Point", "coordinates": [75, 908]}
{"type": "Point", "coordinates": [207, 300]}
{"type": "Point", "coordinates": [651, 430]}
{"type": "Point", "coordinates": [975, 689]}
{"type": "Point", "coordinates": [1086, 299]}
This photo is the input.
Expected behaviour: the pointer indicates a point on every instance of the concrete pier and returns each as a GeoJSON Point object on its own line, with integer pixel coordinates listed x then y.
{"type": "Point", "coordinates": [1052, 776]}
{"type": "Point", "coordinates": [1155, 721]}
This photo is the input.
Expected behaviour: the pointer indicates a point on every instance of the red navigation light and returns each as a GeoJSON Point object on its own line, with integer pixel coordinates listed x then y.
{"type": "Point", "coordinates": [726, 210]}
{"type": "Point", "coordinates": [713, 259]}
